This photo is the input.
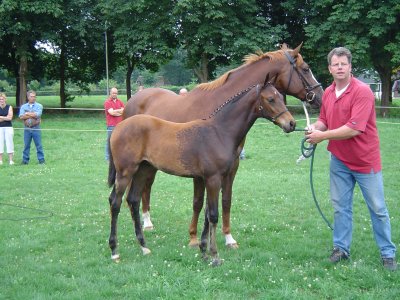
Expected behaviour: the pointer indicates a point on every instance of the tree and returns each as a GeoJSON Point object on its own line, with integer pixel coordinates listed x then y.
{"type": "Point", "coordinates": [215, 32]}
{"type": "Point", "coordinates": [175, 72]}
{"type": "Point", "coordinates": [22, 24]}
{"type": "Point", "coordinates": [143, 33]}
{"type": "Point", "coordinates": [78, 46]}
{"type": "Point", "coordinates": [370, 29]}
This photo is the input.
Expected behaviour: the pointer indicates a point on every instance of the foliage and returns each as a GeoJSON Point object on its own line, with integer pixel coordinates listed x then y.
{"type": "Point", "coordinates": [371, 30]}
{"type": "Point", "coordinates": [175, 72]}
{"type": "Point", "coordinates": [142, 31]}
{"type": "Point", "coordinates": [215, 33]}
{"type": "Point", "coordinates": [283, 242]}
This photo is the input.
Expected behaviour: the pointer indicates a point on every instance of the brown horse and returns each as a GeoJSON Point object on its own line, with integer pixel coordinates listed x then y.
{"type": "Point", "coordinates": [204, 149]}
{"type": "Point", "coordinates": [293, 77]}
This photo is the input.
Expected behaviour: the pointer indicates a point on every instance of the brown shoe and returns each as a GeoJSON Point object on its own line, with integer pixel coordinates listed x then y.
{"type": "Point", "coordinates": [389, 263]}
{"type": "Point", "coordinates": [338, 255]}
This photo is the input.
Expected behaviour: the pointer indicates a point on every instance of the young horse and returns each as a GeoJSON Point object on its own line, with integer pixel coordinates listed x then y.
{"type": "Point", "coordinates": [293, 77]}
{"type": "Point", "coordinates": [204, 149]}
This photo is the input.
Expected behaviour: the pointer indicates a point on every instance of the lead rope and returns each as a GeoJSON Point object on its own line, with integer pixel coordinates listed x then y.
{"type": "Point", "coordinates": [306, 152]}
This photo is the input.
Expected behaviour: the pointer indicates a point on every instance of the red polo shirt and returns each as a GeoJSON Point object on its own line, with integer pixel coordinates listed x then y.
{"type": "Point", "coordinates": [355, 108]}
{"type": "Point", "coordinates": [117, 104]}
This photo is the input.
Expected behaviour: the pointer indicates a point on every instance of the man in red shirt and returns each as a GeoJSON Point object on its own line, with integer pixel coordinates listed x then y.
{"type": "Point", "coordinates": [347, 119]}
{"type": "Point", "coordinates": [113, 109]}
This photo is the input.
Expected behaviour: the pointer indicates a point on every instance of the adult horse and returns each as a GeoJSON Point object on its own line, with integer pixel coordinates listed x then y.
{"type": "Point", "coordinates": [204, 149]}
{"type": "Point", "coordinates": [293, 77]}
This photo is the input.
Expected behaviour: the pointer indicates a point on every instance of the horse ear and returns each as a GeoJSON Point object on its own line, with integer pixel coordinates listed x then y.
{"type": "Point", "coordinates": [273, 80]}
{"type": "Point", "coordinates": [297, 50]}
{"type": "Point", "coordinates": [284, 46]}
{"type": "Point", "coordinates": [266, 79]}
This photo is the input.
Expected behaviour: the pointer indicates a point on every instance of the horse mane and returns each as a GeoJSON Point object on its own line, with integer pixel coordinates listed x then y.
{"type": "Point", "coordinates": [248, 59]}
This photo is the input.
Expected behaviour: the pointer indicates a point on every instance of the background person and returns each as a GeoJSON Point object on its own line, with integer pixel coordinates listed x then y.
{"type": "Point", "coordinates": [6, 129]}
{"type": "Point", "coordinates": [114, 108]}
{"type": "Point", "coordinates": [31, 114]}
{"type": "Point", "coordinates": [347, 119]}
{"type": "Point", "coordinates": [183, 91]}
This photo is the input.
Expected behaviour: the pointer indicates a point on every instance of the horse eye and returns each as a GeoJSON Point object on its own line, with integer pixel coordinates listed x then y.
{"type": "Point", "coordinates": [271, 100]}
{"type": "Point", "coordinates": [306, 70]}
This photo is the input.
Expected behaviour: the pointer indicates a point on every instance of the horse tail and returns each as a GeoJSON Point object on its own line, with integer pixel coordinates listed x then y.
{"type": "Point", "coordinates": [112, 173]}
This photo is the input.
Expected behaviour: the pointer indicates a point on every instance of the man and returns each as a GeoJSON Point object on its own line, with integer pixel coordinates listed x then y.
{"type": "Point", "coordinates": [31, 114]}
{"type": "Point", "coordinates": [113, 108]}
{"type": "Point", "coordinates": [347, 119]}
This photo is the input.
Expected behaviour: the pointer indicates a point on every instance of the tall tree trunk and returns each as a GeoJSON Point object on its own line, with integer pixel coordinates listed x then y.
{"type": "Point", "coordinates": [129, 71]}
{"type": "Point", "coordinates": [63, 96]}
{"type": "Point", "coordinates": [202, 70]}
{"type": "Point", "coordinates": [23, 68]}
{"type": "Point", "coordinates": [17, 92]}
{"type": "Point", "coordinates": [386, 96]}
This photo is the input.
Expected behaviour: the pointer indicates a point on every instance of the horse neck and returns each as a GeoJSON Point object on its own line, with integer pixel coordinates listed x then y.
{"type": "Point", "coordinates": [234, 119]}
{"type": "Point", "coordinates": [252, 74]}
{"type": "Point", "coordinates": [248, 75]}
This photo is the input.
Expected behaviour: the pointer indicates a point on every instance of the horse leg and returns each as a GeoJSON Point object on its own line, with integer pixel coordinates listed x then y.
{"type": "Point", "coordinates": [205, 235]}
{"type": "Point", "coordinates": [198, 201]}
{"type": "Point", "coordinates": [115, 200]}
{"type": "Point", "coordinates": [133, 199]}
{"type": "Point", "coordinates": [147, 224]}
{"type": "Point", "coordinates": [213, 187]}
{"type": "Point", "coordinates": [227, 185]}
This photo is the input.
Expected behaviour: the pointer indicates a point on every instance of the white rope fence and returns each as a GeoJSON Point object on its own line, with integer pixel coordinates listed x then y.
{"type": "Point", "coordinates": [105, 130]}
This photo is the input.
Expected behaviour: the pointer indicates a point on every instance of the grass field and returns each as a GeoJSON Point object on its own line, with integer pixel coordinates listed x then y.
{"type": "Point", "coordinates": [61, 252]}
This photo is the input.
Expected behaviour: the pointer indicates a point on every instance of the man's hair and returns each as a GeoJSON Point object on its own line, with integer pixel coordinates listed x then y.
{"type": "Point", "coordinates": [30, 92]}
{"type": "Point", "coordinates": [3, 95]}
{"type": "Point", "coordinates": [340, 51]}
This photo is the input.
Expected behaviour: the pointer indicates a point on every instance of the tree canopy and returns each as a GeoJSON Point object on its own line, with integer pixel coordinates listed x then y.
{"type": "Point", "coordinates": [370, 29]}
{"type": "Point", "coordinates": [145, 34]}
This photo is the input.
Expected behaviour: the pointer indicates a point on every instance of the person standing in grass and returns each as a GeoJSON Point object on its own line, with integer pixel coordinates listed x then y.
{"type": "Point", "coordinates": [348, 121]}
{"type": "Point", "coordinates": [31, 114]}
{"type": "Point", "coordinates": [114, 108]}
{"type": "Point", "coordinates": [6, 129]}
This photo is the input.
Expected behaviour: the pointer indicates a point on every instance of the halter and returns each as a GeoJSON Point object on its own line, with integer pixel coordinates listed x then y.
{"type": "Point", "coordinates": [242, 93]}
{"type": "Point", "coordinates": [261, 108]}
{"type": "Point", "coordinates": [309, 88]}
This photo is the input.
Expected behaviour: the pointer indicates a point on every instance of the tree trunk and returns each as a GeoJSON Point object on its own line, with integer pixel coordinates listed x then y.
{"type": "Point", "coordinates": [63, 96]}
{"type": "Point", "coordinates": [23, 68]}
{"type": "Point", "coordinates": [386, 90]}
{"type": "Point", "coordinates": [129, 71]}
{"type": "Point", "coordinates": [202, 70]}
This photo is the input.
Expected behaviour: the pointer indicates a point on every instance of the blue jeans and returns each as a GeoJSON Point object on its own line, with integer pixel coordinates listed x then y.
{"type": "Point", "coordinates": [34, 134]}
{"type": "Point", "coordinates": [342, 182]}
{"type": "Point", "coordinates": [109, 131]}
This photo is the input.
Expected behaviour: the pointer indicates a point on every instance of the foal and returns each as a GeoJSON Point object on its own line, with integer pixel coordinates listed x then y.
{"type": "Point", "coordinates": [203, 149]}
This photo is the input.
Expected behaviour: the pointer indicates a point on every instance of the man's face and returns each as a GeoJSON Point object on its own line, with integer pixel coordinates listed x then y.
{"type": "Point", "coordinates": [114, 94]}
{"type": "Point", "coordinates": [340, 68]}
{"type": "Point", "coordinates": [31, 98]}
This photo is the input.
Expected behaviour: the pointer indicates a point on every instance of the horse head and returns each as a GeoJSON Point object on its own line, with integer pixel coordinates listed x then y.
{"type": "Point", "coordinates": [297, 79]}
{"type": "Point", "coordinates": [273, 108]}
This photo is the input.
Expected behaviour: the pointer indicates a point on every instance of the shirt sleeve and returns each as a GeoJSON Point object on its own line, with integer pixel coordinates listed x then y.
{"type": "Point", "coordinates": [363, 104]}
{"type": "Point", "coordinates": [38, 110]}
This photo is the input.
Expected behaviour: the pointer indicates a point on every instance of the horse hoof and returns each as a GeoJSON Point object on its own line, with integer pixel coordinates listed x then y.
{"type": "Point", "coordinates": [115, 258]}
{"type": "Point", "coordinates": [148, 228]}
{"type": "Point", "coordinates": [194, 244]}
{"type": "Point", "coordinates": [145, 251]}
{"type": "Point", "coordinates": [216, 262]}
{"type": "Point", "coordinates": [232, 246]}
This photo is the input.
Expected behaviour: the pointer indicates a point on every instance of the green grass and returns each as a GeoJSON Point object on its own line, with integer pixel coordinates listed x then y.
{"type": "Point", "coordinates": [283, 242]}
